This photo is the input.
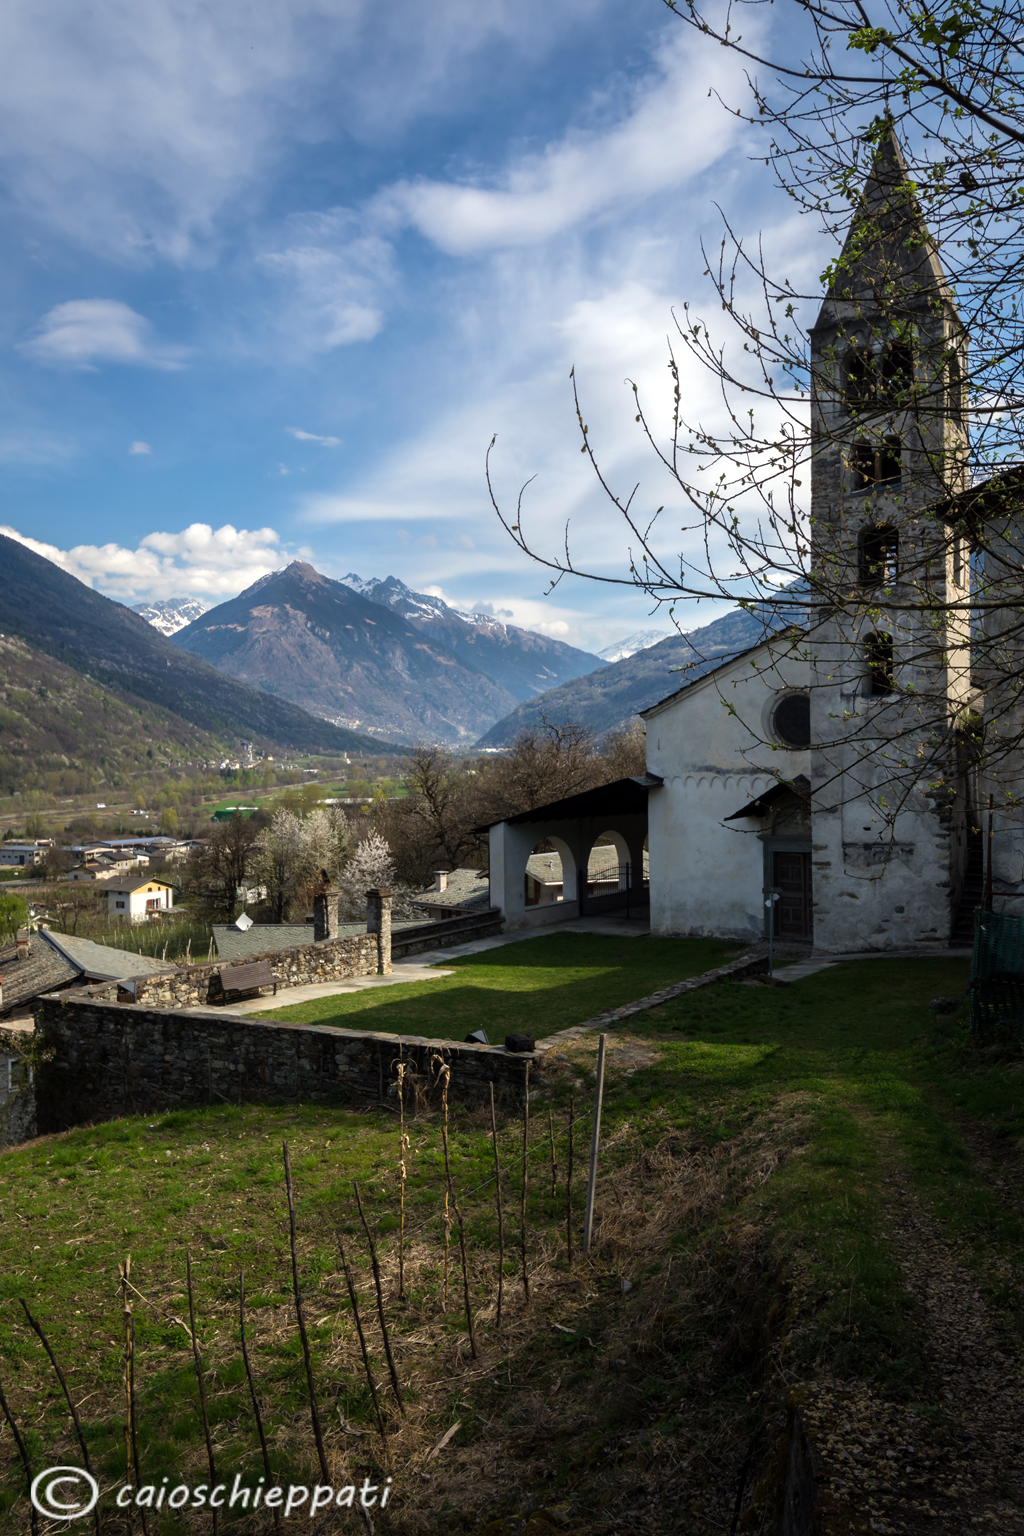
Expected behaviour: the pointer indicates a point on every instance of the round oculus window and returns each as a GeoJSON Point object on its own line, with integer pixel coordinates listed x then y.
{"type": "Point", "coordinates": [791, 720]}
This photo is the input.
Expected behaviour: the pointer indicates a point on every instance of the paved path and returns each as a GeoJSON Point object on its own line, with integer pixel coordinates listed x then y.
{"type": "Point", "coordinates": [405, 971]}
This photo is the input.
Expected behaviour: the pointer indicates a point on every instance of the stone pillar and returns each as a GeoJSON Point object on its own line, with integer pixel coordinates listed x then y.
{"type": "Point", "coordinates": [325, 915]}
{"type": "Point", "coordinates": [378, 921]}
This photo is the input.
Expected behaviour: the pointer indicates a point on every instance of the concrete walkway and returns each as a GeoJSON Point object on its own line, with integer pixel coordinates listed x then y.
{"type": "Point", "coordinates": [403, 972]}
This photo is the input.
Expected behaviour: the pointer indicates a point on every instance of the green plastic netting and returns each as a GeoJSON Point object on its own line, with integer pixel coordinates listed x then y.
{"type": "Point", "coordinates": [996, 988]}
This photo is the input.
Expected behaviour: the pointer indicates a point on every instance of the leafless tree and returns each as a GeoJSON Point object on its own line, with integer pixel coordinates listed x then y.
{"type": "Point", "coordinates": [902, 134]}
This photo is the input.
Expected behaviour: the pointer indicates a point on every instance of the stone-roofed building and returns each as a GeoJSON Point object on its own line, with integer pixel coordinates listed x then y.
{"type": "Point", "coordinates": [455, 891]}
{"type": "Point", "coordinates": [41, 969]}
{"type": "Point", "coordinates": [102, 962]}
{"type": "Point", "coordinates": [234, 943]}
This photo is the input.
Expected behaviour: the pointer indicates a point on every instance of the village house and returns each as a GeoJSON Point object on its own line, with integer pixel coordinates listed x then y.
{"type": "Point", "coordinates": [139, 901]}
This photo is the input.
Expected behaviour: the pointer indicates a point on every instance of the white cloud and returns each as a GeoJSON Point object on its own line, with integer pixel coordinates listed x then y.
{"type": "Point", "coordinates": [312, 437]}
{"type": "Point", "coordinates": [199, 561]}
{"type": "Point", "coordinates": [671, 134]}
{"type": "Point", "coordinates": [140, 448]}
{"type": "Point", "coordinates": [336, 276]}
{"type": "Point", "coordinates": [83, 332]}
{"type": "Point", "coordinates": [132, 127]}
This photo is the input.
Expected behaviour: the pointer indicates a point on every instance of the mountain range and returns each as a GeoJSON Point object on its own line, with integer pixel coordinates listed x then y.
{"type": "Point", "coordinates": [610, 698]}
{"type": "Point", "coordinates": [170, 614]}
{"type": "Point", "coordinates": [630, 644]}
{"type": "Point", "coordinates": [521, 660]}
{"type": "Point", "coordinates": [58, 615]}
{"type": "Point", "coordinates": [394, 663]}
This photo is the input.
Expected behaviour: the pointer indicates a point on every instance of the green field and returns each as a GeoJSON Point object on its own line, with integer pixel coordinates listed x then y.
{"type": "Point", "coordinates": [757, 1143]}
{"type": "Point", "coordinates": [534, 987]}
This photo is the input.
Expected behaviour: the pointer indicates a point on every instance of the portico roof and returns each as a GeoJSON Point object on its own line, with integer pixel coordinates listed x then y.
{"type": "Point", "coordinates": [623, 797]}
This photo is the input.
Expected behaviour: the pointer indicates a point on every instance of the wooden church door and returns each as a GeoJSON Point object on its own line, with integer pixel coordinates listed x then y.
{"type": "Point", "coordinates": [792, 873]}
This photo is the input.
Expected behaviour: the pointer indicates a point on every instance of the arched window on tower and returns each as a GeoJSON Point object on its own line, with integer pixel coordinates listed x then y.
{"type": "Point", "coordinates": [879, 550]}
{"type": "Point", "coordinates": [874, 465]}
{"type": "Point", "coordinates": [897, 373]}
{"type": "Point", "coordinates": [859, 378]}
{"type": "Point", "coordinates": [878, 653]}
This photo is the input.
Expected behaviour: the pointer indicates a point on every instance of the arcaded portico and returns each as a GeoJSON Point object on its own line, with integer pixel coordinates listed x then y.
{"type": "Point", "coordinates": [616, 813]}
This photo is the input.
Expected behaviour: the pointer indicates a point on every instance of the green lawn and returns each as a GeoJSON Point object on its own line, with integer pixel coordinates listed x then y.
{"type": "Point", "coordinates": [748, 1165]}
{"type": "Point", "coordinates": [537, 987]}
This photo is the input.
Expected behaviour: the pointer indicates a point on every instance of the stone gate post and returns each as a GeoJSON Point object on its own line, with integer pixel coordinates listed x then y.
{"type": "Point", "coordinates": [378, 921]}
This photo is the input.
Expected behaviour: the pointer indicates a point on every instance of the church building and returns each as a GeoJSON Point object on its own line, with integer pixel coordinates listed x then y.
{"type": "Point", "coordinates": [827, 780]}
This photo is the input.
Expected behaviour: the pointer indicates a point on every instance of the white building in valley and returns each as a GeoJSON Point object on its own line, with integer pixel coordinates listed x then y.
{"type": "Point", "coordinates": [139, 901]}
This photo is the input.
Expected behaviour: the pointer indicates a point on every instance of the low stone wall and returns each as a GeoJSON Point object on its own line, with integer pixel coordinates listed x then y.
{"type": "Point", "coordinates": [199, 986]}
{"type": "Point", "coordinates": [110, 1059]}
{"type": "Point", "coordinates": [445, 934]}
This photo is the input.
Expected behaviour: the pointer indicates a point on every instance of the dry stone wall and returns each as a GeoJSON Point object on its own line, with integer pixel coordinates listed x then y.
{"type": "Point", "coordinates": [199, 986]}
{"type": "Point", "coordinates": [110, 1059]}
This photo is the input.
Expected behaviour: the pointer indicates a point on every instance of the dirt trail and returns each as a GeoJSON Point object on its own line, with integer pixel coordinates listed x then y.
{"type": "Point", "coordinates": [887, 1468]}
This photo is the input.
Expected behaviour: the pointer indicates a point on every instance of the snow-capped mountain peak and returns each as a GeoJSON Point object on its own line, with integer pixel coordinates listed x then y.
{"type": "Point", "coordinates": [641, 641]}
{"type": "Point", "coordinates": [169, 614]}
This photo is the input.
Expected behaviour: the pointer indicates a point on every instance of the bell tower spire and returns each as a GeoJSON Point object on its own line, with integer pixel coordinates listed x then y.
{"type": "Point", "coordinates": [891, 662]}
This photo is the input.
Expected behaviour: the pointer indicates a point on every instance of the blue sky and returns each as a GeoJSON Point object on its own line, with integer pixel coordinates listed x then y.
{"type": "Point", "coordinates": [275, 273]}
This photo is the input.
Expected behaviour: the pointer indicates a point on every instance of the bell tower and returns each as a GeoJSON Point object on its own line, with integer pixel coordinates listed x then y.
{"type": "Point", "coordinates": [890, 659]}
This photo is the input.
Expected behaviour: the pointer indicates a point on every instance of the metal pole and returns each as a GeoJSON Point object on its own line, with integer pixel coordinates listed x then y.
{"type": "Point", "coordinates": [988, 861]}
{"type": "Point", "coordinates": [595, 1137]}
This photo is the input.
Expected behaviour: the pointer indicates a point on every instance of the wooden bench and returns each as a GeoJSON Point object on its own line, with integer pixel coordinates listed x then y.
{"type": "Point", "coordinates": [247, 978]}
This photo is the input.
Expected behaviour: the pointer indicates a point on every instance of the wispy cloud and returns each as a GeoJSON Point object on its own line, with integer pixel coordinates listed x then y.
{"type": "Point", "coordinates": [198, 561]}
{"type": "Point", "coordinates": [669, 135]}
{"type": "Point", "coordinates": [84, 332]}
{"type": "Point", "coordinates": [312, 437]}
{"type": "Point", "coordinates": [131, 128]}
{"type": "Point", "coordinates": [140, 448]}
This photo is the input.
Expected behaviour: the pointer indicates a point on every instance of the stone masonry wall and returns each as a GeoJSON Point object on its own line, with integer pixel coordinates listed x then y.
{"type": "Point", "coordinates": [199, 985]}
{"type": "Point", "coordinates": [112, 1059]}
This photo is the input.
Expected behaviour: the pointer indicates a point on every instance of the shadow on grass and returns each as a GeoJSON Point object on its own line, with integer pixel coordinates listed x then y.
{"type": "Point", "coordinates": [537, 986]}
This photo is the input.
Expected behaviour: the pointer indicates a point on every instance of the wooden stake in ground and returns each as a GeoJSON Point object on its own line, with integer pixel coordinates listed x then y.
{"type": "Point", "coordinates": [252, 1391]}
{"type": "Point", "coordinates": [197, 1358]}
{"type": "Point", "coordinates": [403, 1147]}
{"type": "Point", "coordinates": [380, 1302]}
{"type": "Point", "coordinates": [526, 1155]}
{"type": "Point", "coordinates": [554, 1165]}
{"type": "Point", "coordinates": [23, 1453]}
{"type": "Point", "coordinates": [301, 1322]}
{"type": "Point", "coordinates": [44, 1341]}
{"type": "Point", "coordinates": [568, 1184]}
{"type": "Point", "coordinates": [501, 1218]}
{"type": "Point", "coordinates": [595, 1139]}
{"type": "Point", "coordinates": [444, 1073]}
{"type": "Point", "coordinates": [131, 1443]}
{"type": "Point", "coordinates": [362, 1344]}
{"type": "Point", "coordinates": [462, 1245]}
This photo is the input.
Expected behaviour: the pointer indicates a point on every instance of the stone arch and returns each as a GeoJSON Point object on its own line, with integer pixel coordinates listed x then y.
{"type": "Point", "coordinates": [601, 868]}
{"type": "Point", "coordinates": [549, 875]}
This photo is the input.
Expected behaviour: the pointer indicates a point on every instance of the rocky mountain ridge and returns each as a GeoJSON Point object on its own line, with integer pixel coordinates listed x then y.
{"type": "Point", "coordinates": [610, 699]}
{"type": "Point", "coordinates": [328, 648]}
{"type": "Point", "coordinates": [523, 661]}
{"type": "Point", "coordinates": [169, 614]}
{"type": "Point", "coordinates": [59, 615]}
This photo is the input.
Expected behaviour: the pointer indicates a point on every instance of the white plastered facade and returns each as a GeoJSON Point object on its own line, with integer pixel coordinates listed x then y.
{"type": "Point", "coordinates": [707, 874]}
